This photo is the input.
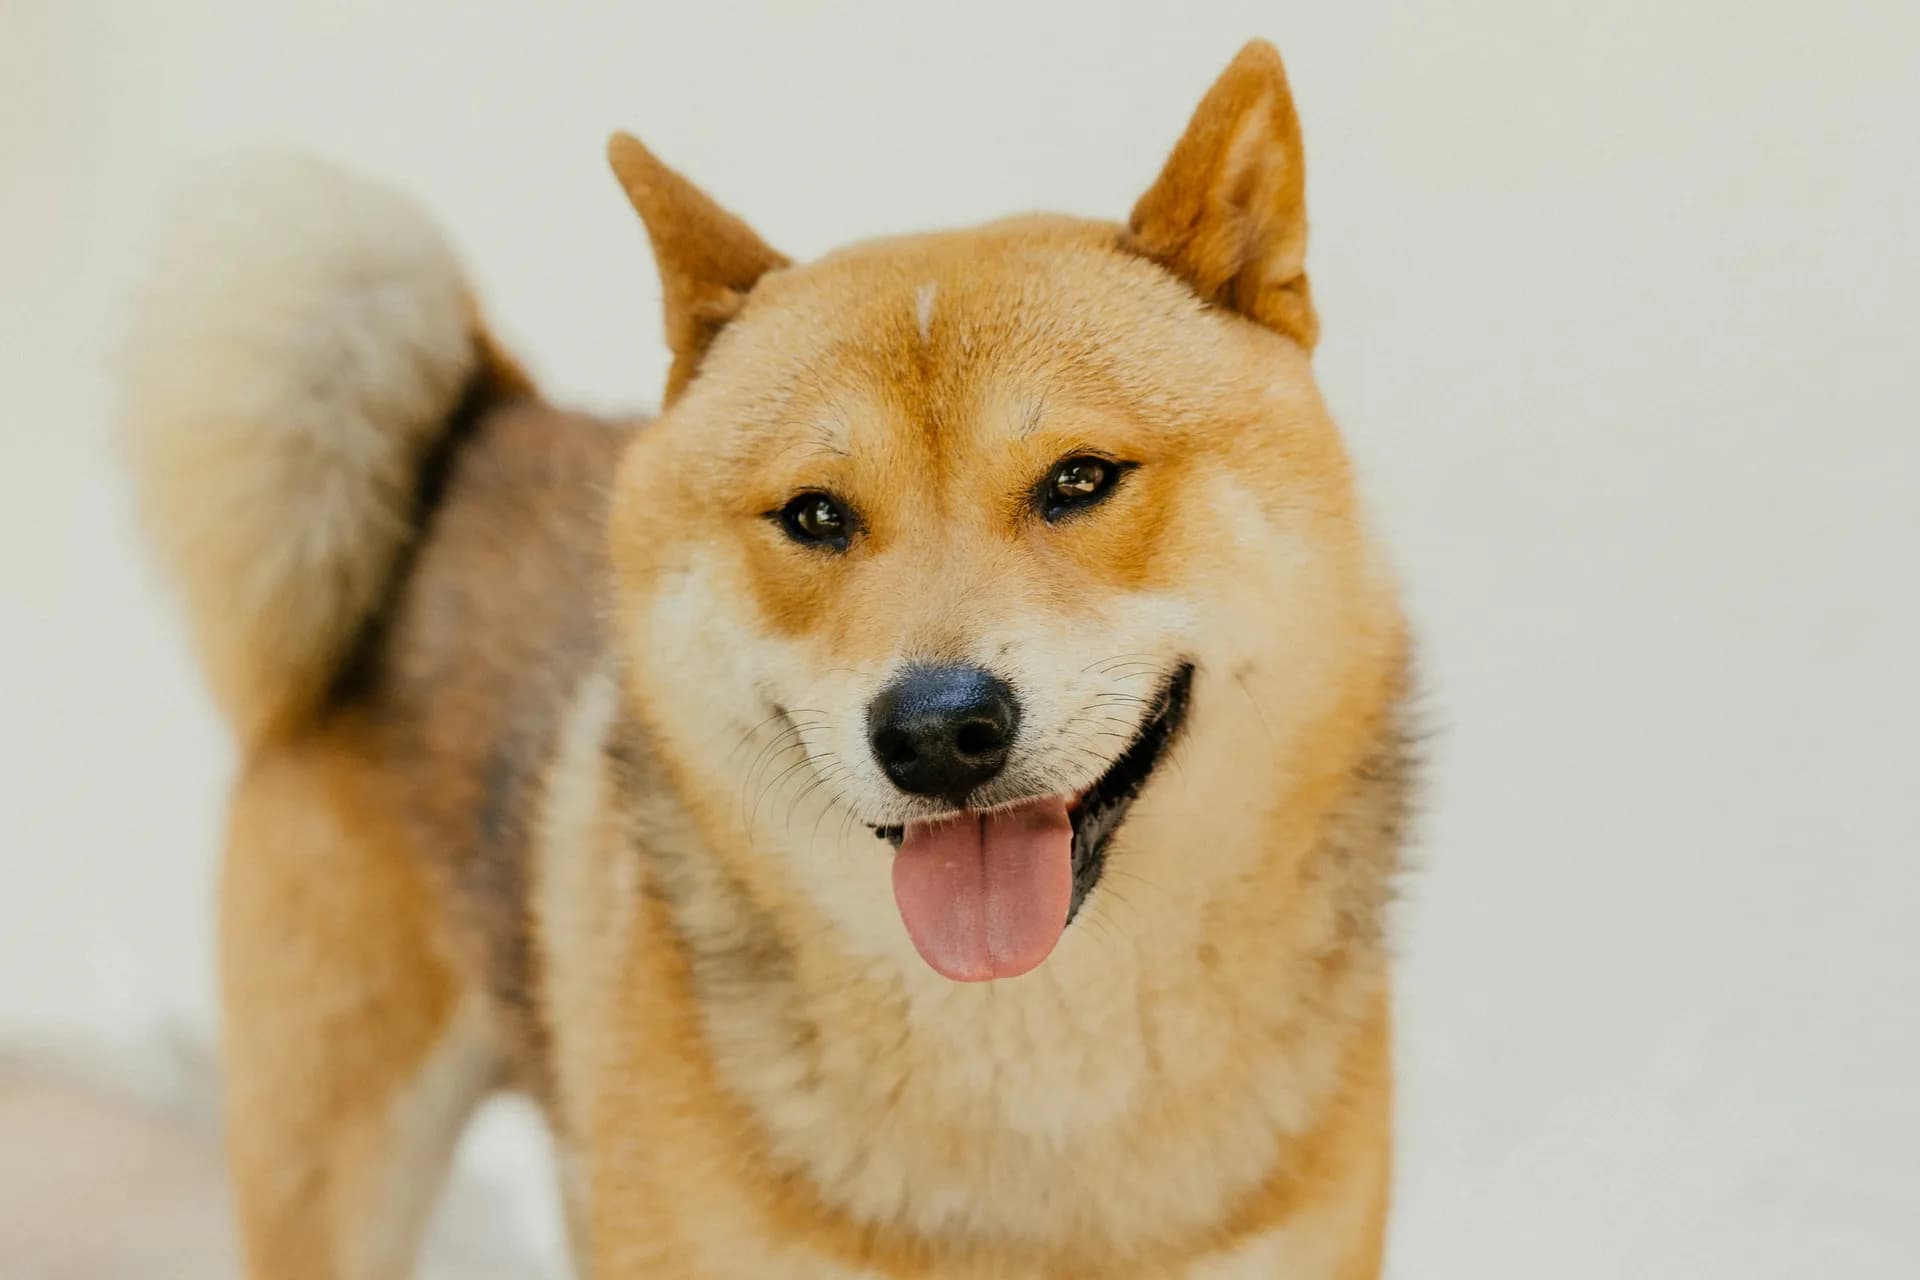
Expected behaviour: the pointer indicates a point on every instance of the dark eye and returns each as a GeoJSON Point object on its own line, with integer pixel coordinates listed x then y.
{"type": "Point", "coordinates": [817, 518]}
{"type": "Point", "coordinates": [1078, 482]}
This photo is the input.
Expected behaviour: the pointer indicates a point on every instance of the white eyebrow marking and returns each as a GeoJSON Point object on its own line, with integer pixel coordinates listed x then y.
{"type": "Point", "coordinates": [923, 308]}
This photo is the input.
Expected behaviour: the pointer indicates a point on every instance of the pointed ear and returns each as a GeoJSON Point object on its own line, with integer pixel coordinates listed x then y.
{"type": "Point", "coordinates": [708, 258]}
{"type": "Point", "coordinates": [1228, 212]}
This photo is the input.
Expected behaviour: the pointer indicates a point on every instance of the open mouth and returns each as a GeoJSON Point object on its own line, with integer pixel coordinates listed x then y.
{"type": "Point", "coordinates": [1098, 812]}
{"type": "Point", "coordinates": [987, 894]}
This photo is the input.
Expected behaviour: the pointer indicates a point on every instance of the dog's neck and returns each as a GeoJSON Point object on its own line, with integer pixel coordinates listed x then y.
{"type": "Point", "coordinates": [1191, 1060]}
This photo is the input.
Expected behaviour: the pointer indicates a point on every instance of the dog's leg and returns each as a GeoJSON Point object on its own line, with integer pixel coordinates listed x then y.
{"type": "Point", "coordinates": [354, 1053]}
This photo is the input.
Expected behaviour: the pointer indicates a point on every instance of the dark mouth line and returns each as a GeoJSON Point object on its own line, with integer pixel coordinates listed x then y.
{"type": "Point", "coordinates": [1102, 809]}
{"type": "Point", "coordinates": [1103, 806]}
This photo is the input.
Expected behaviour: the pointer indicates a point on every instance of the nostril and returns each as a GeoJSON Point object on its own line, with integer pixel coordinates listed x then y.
{"type": "Point", "coordinates": [894, 747]}
{"type": "Point", "coordinates": [979, 738]}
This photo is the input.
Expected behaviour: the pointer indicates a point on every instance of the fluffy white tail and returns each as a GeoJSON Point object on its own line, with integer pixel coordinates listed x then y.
{"type": "Point", "coordinates": [298, 348]}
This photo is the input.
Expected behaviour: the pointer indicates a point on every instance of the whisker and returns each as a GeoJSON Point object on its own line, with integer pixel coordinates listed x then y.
{"type": "Point", "coordinates": [809, 789]}
{"type": "Point", "coordinates": [790, 714]}
{"type": "Point", "coordinates": [783, 775]}
{"type": "Point", "coordinates": [786, 741]}
{"type": "Point", "coordinates": [751, 783]}
{"type": "Point", "coordinates": [1241, 680]}
{"type": "Point", "coordinates": [1102, 663]}
{"type": "Point", "coordinates": [835, 773]}
{"type": "Point", "coordinates": [1135, 876]}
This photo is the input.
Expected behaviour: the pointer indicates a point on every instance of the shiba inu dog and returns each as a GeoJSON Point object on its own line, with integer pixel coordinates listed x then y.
{"type": "Point", "coordinates": [922, 806]}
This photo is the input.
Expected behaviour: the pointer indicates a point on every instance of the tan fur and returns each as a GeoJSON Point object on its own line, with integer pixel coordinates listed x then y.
{"type": "Point", "coordinates": [1229, 211]}
{"type": "Point", "coordinates": [350, 1065]}
{"type": "Point", "coordinates": [288, 365]}
{"type": "Point", "coordinates": [583, 805]}
{"type": "Point", "coordinates": [708, 258]}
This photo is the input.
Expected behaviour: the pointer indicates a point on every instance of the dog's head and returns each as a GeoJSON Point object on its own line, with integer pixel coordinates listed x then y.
{"type": "Point", "coordinates": [961, 537]}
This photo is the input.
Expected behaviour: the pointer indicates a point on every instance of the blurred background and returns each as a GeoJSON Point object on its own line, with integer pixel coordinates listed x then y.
{"type": "Point", "coordinates": [1620, 316]}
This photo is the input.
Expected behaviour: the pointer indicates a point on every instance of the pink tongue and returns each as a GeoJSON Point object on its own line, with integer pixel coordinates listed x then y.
{"type": "Point", "coordinates": [986, 896]}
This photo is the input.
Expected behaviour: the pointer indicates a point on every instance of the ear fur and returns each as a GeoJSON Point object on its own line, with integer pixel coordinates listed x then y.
{"type": "Point", "coordinates": [708, 258]}
{"type": "Point", "coordinates": [1228, 212]}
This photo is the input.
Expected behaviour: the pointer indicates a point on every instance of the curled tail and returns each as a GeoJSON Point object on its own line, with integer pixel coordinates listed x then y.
{"type": "Point", "coordinates": [303, 342]}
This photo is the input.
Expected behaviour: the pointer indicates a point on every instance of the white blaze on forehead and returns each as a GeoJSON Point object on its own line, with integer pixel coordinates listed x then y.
{"type": "Point", "coordinates": [923, 308]}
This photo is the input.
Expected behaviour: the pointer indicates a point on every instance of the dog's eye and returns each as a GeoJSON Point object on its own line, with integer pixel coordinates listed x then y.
{"type": "Point", "coordinates": [817, 518]}
{"type": "Point", "coordinates": [1078, 482]}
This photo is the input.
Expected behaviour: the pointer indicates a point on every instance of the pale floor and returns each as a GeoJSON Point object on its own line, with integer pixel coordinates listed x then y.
{"type": "Point", "coordinates": [97, 1183]}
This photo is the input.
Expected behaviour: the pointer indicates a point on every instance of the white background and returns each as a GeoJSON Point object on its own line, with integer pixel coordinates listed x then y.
{"type": "Point", "coordinates": [1620, 308]}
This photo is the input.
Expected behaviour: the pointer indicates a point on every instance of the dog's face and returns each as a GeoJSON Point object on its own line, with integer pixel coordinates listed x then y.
{"type": "Point", "coordinates": [962, 535]}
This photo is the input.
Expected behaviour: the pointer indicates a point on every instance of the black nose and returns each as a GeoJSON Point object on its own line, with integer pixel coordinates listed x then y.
{"type": "Point", "coordinates": [942, 731]}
